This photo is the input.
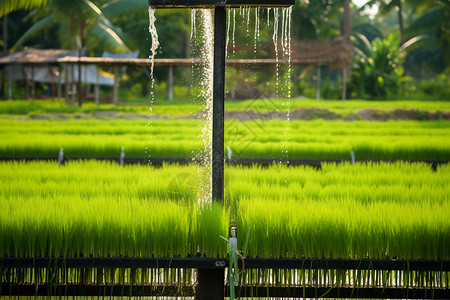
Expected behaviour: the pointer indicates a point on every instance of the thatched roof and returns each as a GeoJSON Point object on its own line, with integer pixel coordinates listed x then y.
{"type": "Point", "coordinates": [336, 53]}
{"type": "Point", "coordinates": [35, 56]}
{"type": "Point", "coordinates": [109, 61]}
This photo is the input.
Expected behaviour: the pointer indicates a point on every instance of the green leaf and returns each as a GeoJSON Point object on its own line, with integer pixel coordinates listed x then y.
{"type": "Point", "coordinates": [33, 31]}
{"type": "Point", "coordinates": [123, 7]}
{"type": "Point", "coordinates": [8, 6]}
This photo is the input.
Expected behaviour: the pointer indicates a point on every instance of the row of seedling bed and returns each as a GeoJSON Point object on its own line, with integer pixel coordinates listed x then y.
{"type": "Point", "coordinates": [397, 211]}
{"type": "Point", "coordinates": [315, 140]}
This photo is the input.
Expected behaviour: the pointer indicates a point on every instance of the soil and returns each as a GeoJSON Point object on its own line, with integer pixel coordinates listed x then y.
{"type": "Point", "coordinates": [249, 115]}
{"type": "Point", "coordinates": [325, 114]}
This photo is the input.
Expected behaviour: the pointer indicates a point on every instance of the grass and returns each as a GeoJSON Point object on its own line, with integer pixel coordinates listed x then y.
{"type": "Point", "coordinates": [340, 107]}
{"type": "Point", "coordinates": [90, 138]}
{"type": "Point", "coordinates": [187, 107]}
{"type": "Point", "coordinates": [101, 209]}
{"type": "Point", "coordinates": [394, 210]}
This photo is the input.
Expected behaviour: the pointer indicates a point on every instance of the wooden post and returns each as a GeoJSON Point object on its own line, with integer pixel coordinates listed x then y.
{"type": "Point", "coordinates": [72, 84]}
{"type": "Point", "coordinates": [66, 82]}
{"type": "Point", "coordinates": [171, 82]}
{"type": "Point", "coordinates": [97, 89]}
{"type": "Point", "coordinates": [33, 84]}
{"type": "Point", "coordinates": [10, 83]}
{"type": "Point", "coordinates": [79, 82]}
{"type": "Point", "coordinates": [347, 19]}
{"type": "Point", "coordinates": [218, 103]}
{"type": "Point", "coordinates": [59, 88]}
{"type": "Point", "coordinates": [24, 74]}
{"type": "Point", "coordinates": [347, 33]}
{"type": "Point", "coordinates": [344, 83]}
{"type": "Point", "coordinates": [318, 83]}
{"type": "Point", "coordinates": [116, 86]}
{"type": "Point", "coordinates": [295, 81]}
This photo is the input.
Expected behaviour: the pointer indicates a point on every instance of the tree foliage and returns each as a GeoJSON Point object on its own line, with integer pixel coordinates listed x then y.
{"type": "Point", "coordinates": [377, 69]}
{"type": "Point", "coordinates": [8, 6]}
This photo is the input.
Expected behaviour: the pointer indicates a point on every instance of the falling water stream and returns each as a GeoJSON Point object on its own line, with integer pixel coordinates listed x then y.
{"type": "Point", "coordinates": [155, 45]}
{"type": "Point", "coordinates": [202, 43]}
{"type": "Point", "coordinates": [202, 46]}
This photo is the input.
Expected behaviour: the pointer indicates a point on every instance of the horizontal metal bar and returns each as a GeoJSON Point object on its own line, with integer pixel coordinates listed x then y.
{"type": "Point", "coordinates": [115, 262]}
{"type": "Point", "coordinates": [221, 263]}
{"type": "Point", "coordinates": [348, 264]}
{"type": "Point", "coordinates": [342, 292]}
{"type": "Point", "coordinates": [95, 290]}
{"type": "Point", "coordinates": [213, 3]}
{"type": "Point", "coordinates": [245, 291]}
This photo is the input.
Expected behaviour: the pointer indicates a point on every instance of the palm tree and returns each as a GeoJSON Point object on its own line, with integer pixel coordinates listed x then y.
{"type": "Point", "coordinates": [432, 22]}
{"type": "Point", "coordinates": [80, 23]}
{"type": "Point", "coordinates": [386, 6]}
{"type": "Point", "coordinates": [8, 6]}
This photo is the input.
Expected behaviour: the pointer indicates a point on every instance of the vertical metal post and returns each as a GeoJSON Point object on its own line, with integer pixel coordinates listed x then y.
{"type": "Point", "coordinates": [218, 103]}
{"type": "Point", "coordinates": [211, 282]}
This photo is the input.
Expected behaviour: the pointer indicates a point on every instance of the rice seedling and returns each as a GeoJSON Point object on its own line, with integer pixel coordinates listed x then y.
{"type": "Point", "coordinates": [183, 108]}
{"type": "Point", "coordinates": [406, 140]}
{"type": "Point", "coordinates": [394, 210]}
{"type": "Point", "coordinates": [99, 209]}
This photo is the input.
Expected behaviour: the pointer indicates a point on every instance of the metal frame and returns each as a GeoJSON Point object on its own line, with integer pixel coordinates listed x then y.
{"type": "Point", "coordinates": [222, 263]}
{"type": "Point", "coordinates": [244, 291]}
{"type": "Point", "coordinates": [216, 3]}
{"type": "Point", "coordinates": [211, 277]}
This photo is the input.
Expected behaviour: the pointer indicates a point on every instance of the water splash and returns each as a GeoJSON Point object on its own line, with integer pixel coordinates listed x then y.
{"type": "Point", "coordinates": [275, 43]}
{"type": "Point", "coordinates": [155, 45]}
{"type": "Point", "coordinates": [287, 88]}
{"type": "Point", "coordinates": [202, 46]}
{"type": "Point", "coordinates": [256, 37]}
{"type": "Point", "coordinates": [154, 35]}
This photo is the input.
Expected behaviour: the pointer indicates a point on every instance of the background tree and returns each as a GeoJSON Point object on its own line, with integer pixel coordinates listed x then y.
{"type": "Point", "coordinates": [7, 7]}
{"type": "Point", "coordinates": [431, 21]}
{"type": "Point", "coordinates": [78, 21]}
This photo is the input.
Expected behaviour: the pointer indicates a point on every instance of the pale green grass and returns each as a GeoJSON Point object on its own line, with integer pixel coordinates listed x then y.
{"type": "Point", "coordinates": [343, 211]}
{"type": "Point", "coordinates": [100, 209]}
{"type": "Point", "coordinates": [394, 140]}
{"type": "Point", "coordinates": [338, 106]}
{"type": "Point", "coordinates": [186, 108]}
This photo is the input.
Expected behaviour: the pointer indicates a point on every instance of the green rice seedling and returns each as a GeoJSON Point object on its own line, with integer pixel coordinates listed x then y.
{"type": "Point", "coordinates": [396, 210]}
{"type": "Point", "coordinates": [100, 209]}
{"type": "Point", "coordinates": [400, 140]}
{"type": "Point", "coordinates": [365, 211]}
{"type": "Point", "coordinates": [174, 108]}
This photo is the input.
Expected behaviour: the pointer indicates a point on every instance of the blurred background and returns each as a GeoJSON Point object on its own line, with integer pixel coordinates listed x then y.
{"type": "Point", "coordinates": [373, 50]}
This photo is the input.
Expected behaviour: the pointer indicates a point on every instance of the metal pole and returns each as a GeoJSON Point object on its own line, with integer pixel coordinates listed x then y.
{"type": "Point", "coordinates": [218, 103]}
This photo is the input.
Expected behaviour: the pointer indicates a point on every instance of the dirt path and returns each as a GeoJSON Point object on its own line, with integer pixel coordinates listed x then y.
{"type": "Point", "coordinates": [249, 115]}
